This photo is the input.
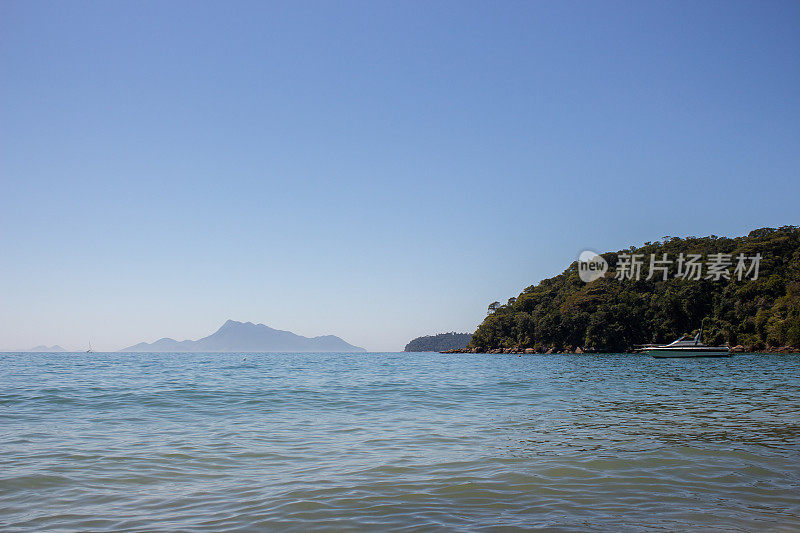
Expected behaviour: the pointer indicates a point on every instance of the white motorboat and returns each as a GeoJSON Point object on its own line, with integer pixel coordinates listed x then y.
{"type": "Point", "coordinates": [685, 347]}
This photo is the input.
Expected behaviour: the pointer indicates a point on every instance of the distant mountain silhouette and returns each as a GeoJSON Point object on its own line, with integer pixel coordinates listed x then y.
{"type": "Point", "coordinates": [248, 337]}
{"type": "Point", "coordinates": [43, 348]}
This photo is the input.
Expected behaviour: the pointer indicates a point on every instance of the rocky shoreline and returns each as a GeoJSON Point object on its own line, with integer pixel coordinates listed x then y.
{"type": "Point", "coordinates": [579, 350]}
{"type": "Point", "coordinates": [528, 351]}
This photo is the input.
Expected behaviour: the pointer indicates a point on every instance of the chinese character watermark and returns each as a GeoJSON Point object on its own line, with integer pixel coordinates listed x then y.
{"type": "Point", "coordinates": [629, 266]}
{"type": "Point", "coordinates": [689, 267]}
{"type": "Point", "coordinates": [716, 267]}
{"type": "Point", "coordinates": [754, 262]}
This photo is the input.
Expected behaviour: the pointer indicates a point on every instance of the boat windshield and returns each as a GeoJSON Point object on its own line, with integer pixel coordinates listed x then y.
{"type": "Point", "coordinates": [686, 341]}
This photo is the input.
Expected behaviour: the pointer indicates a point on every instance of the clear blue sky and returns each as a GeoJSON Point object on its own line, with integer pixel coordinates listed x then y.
{"type": "Point", "coordinates": [373, 170]}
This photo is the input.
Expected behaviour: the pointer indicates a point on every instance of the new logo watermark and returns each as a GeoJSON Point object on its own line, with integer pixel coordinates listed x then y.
{"type": "Point", "coordinates": [591, 266]}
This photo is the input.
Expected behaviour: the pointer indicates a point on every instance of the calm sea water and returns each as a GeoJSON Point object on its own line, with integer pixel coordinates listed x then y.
{"type": "Point", "coordinates": [212, 442]}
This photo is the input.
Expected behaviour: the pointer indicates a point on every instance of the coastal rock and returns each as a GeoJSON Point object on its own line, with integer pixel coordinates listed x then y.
{"type": "Point", "coordinates": [578, 350]}
{"type": "Point", "coordinates": [530, 350]}
{"type": "Point", "coordinates": [785, 349]}
{"type": "Point", "coordinates": [550, 351]}
{"type": "Point", "coordinates": [738, 348]}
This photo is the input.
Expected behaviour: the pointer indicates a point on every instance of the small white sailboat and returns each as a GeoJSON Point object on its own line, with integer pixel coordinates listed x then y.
{"type": "Point", "coordinates": [685, 347]}
{"type": "Point", "coordinates": [90, 347]}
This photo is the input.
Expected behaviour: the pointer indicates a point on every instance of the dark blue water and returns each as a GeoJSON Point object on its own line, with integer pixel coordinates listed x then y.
{"type": "Point", "coordinates": [209, 442]}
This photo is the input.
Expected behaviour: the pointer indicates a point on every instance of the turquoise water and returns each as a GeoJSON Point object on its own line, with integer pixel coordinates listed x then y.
{"type": "Point", "coordinates": [212, 442]}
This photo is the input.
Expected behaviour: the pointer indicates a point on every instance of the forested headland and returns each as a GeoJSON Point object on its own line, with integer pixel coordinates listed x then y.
{"type": "Point", "coordinates": [610, 314]}
{"type": "Point", "coordinates": [439, 343]}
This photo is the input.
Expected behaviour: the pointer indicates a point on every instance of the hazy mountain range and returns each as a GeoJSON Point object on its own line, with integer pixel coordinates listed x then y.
{"type": "Point", "coordinates": [236, 336]}
{"type": "Point", "coordinates": [48, 349]}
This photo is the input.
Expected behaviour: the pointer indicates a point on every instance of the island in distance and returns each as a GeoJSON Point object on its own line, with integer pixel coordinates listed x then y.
{"type": "Point", "coordinates": [236, 336]}
{"type": "Point", "coordinates": [46, 349]}
{"type": "Point", "coordinates": [439, 343]}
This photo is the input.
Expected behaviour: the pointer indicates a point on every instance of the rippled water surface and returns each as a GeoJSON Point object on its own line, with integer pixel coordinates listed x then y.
{"type": "Point", "coordinates": [212, 442]}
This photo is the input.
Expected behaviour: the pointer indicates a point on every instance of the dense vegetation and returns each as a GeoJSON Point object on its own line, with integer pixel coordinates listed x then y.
{"type": "Point", "coordinates": [613, 315]}
{"type": "Point", "coordinates": [439, 343]}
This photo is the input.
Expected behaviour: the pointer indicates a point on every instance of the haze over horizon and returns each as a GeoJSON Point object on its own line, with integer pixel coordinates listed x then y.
{"type": "Point", "coordinates": [372, 171]}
